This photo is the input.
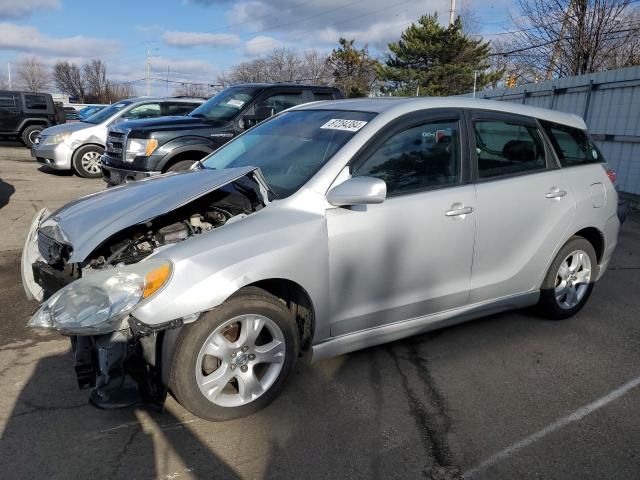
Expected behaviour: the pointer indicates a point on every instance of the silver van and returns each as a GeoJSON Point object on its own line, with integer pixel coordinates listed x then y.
{"type": "Point", "coordinates": [79, 146]}
{"type": "Point", "coordinates": [332, 227]}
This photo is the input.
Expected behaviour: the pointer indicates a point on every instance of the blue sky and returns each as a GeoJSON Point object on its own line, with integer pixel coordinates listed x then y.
{"type": "Point", "coordinates": [198, 39]}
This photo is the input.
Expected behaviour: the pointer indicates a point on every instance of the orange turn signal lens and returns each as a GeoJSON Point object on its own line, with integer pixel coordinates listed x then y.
{"type": "Point", "coordinates": [152, 144]}
{"type": "Point", "coordinates": [155, 279]}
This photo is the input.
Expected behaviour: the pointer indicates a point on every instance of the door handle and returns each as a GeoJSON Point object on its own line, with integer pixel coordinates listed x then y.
{"type": "Point", "coordinates": [556, 193]}
{"type": "Point", "coordinates": [457, 210]}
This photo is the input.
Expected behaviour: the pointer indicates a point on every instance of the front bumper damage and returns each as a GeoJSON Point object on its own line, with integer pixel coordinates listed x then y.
{"type": "Point", "coordinates": [121, 368]}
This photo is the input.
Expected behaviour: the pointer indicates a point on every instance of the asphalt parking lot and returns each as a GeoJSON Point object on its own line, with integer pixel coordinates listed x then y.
{"type": "Point", "coordinates": [508, 396]}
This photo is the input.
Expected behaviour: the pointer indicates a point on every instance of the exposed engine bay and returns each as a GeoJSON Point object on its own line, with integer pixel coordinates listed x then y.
{"type": "Point", "coordinates": [123, 368]}
{"type": "Point", "coordinates": [229, 203]}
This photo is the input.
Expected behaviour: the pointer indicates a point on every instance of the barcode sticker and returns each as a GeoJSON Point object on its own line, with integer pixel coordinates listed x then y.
{"type": "Point", "coordinates": [346, 125]}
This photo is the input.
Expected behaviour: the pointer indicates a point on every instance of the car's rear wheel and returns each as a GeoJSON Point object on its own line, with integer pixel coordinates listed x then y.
{"type": "Point", "coordinates": [30, 134]}
{"type": "Point", "coordinates": [570, 279]}
{"type": "Point", "coordinates": [86, 161]}
{"type": "Point", "coordinates": [233, 360]}
{"type": "Point", "coordinates": [181, 166]}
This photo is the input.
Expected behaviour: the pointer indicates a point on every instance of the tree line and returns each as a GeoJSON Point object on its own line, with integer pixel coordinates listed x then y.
{"type": "Point", "coordinates": [545, 39]}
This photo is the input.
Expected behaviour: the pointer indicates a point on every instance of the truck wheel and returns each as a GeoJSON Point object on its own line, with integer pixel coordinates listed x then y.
{"type": "Point", "coordinates": [181, 166]}
{"type": "Point", "coordinates": [30, 134]}
{"type": "Point", "coordinates": [86, 161]}
{"type": "Point", "coordinates": [233, 361]}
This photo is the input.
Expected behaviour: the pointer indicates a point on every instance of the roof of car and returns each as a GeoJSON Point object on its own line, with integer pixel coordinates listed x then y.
{"type": "Point", "coordinates": [165, 99]}
{"type": "Point", "coordinates": [400, 105]}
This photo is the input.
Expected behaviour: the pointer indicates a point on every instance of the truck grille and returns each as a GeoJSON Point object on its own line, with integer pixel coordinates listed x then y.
{"type": "Point", "coordinates": [115, 144]}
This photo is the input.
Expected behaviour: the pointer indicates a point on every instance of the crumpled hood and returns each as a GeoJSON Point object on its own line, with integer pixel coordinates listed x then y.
{"type": "Point", "coordinates": [86, 222]}
{"type": "Point", "coordinates": [66, 127]}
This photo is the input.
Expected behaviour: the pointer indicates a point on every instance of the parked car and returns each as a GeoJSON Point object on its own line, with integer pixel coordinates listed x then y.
{"type": "Point", "coordinates": [86, 112]}
{"type": "Point", "coordinates": [79, 146]}
{"type": "Point", "coordinates": [140, 149]}
{"type": "Point", "coordinates": [71, 114]}
{"type": "Point", "coordinates": [333, 226]}
{"type": "Point", "coordinates": [23, 115]}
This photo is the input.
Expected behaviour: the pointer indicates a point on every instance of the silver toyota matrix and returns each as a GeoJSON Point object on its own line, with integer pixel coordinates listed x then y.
{"type": "Point", "coordinates": [333, 226]}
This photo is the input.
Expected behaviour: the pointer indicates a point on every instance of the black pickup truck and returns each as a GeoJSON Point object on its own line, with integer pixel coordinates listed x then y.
{"type": "Point", "coordinates": [143, 148]}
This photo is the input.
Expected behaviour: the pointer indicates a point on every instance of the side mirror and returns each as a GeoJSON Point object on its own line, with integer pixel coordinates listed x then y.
{"type": "Point", "coordinates": [358, 191]}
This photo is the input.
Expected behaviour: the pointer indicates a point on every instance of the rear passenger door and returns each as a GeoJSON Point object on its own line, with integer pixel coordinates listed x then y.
{"type": "Point", "coordinates": [524, 205]}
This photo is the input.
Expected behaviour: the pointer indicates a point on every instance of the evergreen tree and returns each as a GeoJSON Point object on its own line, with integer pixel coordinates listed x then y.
{"type": "Point", "coordinates": [353, 69]}
{"type": "Point", "coordinates": [436, 60]}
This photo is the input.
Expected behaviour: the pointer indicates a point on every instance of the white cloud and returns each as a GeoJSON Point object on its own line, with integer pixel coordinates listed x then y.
{"type": "Point", "coordinates": [260, 45]}
{"type": "Point", "coordinates": [193, 39]}
{"type": "Point", "coordinates": [30, 40]}
{"type": "Point", "coordinates": [24, 8]}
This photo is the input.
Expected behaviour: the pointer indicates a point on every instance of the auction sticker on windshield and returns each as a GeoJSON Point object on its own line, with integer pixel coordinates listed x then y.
{"type": "Point", "coordinates": [235, 103]}
{"type": "Point", "coordinates": [346, 125]}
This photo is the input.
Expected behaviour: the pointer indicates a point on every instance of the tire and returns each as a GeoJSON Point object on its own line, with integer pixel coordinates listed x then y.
{"type": "Point", "coordinates": [214, 346]}
{"type": "Point", "coordinates": [565, 291]}
{"type": "Point", "coordinates": [181, 166]}
{"type": "Point", "coordinates": [29, 134]}
{"type": "Point", "coordinates": [86, 161]}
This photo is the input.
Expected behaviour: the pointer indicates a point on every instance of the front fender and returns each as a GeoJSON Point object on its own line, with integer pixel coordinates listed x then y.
{"type": "Point", "coordinates": [167, 152]}
{"type": "Point", "coordinates": [273, 243]}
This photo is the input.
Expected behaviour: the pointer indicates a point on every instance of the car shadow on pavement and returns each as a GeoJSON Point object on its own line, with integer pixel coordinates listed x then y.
{"type": "Point", "coordinates": [57, 173]}
{"type": "Point", "coordinates": [6, 190]}
{"type": "Point", "coordinates": [53, 432]}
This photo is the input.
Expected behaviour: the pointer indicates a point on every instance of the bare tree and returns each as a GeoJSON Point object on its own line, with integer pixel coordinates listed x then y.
{"type": "Point", "coordinates": [68, 79]}
{"type": "Point", "coordinates": [193, 90]}
{"type": "Point", "coordinates": [4, 83]}
{"type": "Point", "coordinates": [32, 75]}
{"type": "Point", "coordinates": [118, 91]}
{"type": "Point", "coordinates": [95, 77]}
{"type": "Point", "coordinates": [573, 37]}
{"type": "Point", "coordinates": [281, 65]}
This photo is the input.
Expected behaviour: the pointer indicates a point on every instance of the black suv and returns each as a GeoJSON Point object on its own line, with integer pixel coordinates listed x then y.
{"type": "Point", "coordinates": [142, 148]}
{"type": "Point", "coordinates": [24, 115]}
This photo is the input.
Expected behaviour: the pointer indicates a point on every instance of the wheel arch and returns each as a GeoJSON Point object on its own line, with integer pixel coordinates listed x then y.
{"type": "Point", "coordinates": [595, 237]}
{"type": "Point", "coordinates": [28, 122]}
{"type": "Point", "coordinates": [291, 293]}
{"type": "Point", "coordinates": [184, 152]}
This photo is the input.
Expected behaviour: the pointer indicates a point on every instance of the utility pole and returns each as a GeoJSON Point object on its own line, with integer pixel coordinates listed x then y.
{"type": "Point", "coordinates": [9, 71]}
{"type": "Point", "coordinates": [148, 72]}
{"type": "Point", "coordinates": [475, 80]}
{"type": "Point", "coordinates": [167, 81]}
{"type": "Point", "coordinates": [452, 12]}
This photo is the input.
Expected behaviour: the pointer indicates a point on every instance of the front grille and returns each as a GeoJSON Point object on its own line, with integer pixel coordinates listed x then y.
{"type": "Point", "coordinates": [115, 144]}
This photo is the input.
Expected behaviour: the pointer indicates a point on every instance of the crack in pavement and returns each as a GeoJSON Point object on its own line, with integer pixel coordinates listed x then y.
{"type": "Point", "coordinates": [430, 418]}
{"type": "Point", "coordinates": [45, 408]}
{"type": "Point", "coordinates": [123, 452]}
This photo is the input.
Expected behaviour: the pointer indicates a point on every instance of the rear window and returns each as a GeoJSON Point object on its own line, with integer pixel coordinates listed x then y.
{"type": "Point", "coordinates": [317, 96]}
{"type": "Point", "coordinates": [572, 145]}
{"type": "Point", "coordinates": [8, 100]}
{"type": "Point", "coordinates": [35, 102]}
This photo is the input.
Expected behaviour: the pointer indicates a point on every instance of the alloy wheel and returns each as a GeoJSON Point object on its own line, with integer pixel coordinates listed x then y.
{"type": "Point", "coordinates": [572, 279]}
{"type": "Point", "coordinates": [90, 162]}
{"type": "Point", "coordinates": [240, 360]}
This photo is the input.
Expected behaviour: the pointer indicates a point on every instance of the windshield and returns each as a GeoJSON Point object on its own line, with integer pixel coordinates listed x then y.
{"type": "Point", "coordinates": [292, 147]}
{"type": "Point", "coordinates": [106, 113]}
{"type": "Point", "coordinates": [225, 105]}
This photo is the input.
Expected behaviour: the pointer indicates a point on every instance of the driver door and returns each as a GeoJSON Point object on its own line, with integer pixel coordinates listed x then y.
{"type": "Point", "coordinates": [411, 255]}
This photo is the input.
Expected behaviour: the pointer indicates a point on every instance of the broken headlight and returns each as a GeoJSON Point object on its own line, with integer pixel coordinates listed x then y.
{"type": "Point", "coordinates": [98, 303]}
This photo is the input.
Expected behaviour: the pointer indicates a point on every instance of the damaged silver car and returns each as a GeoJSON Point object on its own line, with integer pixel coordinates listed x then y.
{"type": "Point", "coordinates": [331, 227]}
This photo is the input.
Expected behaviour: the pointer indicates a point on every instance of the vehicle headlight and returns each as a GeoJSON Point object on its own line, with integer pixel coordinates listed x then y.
{"type": "Point", "coordinates": [98, 303]}
{"type": "Point", "coordinates": [139, 146]}
{"type": "Point", "coordinates": [58, 138]}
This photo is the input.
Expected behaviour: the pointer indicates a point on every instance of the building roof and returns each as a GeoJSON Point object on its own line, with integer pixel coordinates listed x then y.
{"type": "Point", "coordinates": [396, 106]}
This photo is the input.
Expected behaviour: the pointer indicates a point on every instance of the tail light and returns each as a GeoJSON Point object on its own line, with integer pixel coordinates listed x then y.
{"type": "Point", "coordinates": [611, 174]}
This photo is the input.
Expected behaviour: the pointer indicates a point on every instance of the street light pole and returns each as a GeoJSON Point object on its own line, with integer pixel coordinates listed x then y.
{"type": "Point", "coordinates": [475, 79]}
{"type": "Point", "coordinates": [452, 12]}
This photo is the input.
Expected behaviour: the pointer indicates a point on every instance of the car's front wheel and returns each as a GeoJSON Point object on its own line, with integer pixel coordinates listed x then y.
{"type": "Point", "coordinates": [30, 134]}
{"type": "Point", "coordinates": [86, 161]}
{"type": "Point", "coordinates": [570, 280]}
{"type": "Point", "coordinates": [233, 360]}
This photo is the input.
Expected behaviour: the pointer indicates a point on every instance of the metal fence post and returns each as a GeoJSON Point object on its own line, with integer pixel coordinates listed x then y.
{"type": "Point", "coordinates": [587, 100]}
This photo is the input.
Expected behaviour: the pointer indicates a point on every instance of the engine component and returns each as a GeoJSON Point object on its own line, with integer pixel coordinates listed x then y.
{"type": "Point", "coordinates": [173, 233]}
{"type": "Point", "coordinates": [196, 222]}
